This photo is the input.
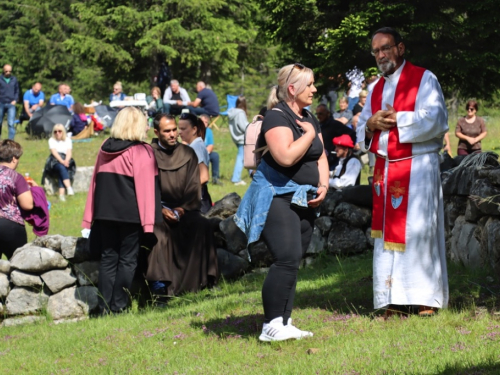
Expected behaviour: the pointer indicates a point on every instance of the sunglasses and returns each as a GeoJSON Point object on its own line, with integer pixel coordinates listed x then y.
{"type": "Point", "coordinates": [188, 116]}
{"type": "Point", "coordinates": [298, 65]}
{"type": "Point", "coordinates": [57, 131]}
{"type": "Point", "coordinates": [471, 109]}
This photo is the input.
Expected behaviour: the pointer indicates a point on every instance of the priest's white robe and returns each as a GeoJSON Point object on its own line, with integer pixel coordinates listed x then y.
{"type": "Point", "coordinates": [417, 276]}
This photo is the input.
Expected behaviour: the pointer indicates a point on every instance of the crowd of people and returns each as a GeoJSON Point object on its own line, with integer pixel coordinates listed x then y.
{"type": "Point", "coordinates": [401, 119]}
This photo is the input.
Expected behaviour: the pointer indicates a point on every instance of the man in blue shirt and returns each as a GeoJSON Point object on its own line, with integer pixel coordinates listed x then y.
{"type": "Point", "coordinates": [206, 102]}
{"type": "Point", "coordinates": [9, 94]}
{"type": "Point", "coordinates": [63, 97]}
{"type": "Point", "coordinates": [33, 99]}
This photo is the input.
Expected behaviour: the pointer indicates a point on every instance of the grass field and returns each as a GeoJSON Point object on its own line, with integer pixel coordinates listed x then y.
{"type": "Point", "coordinates": [215, 332]}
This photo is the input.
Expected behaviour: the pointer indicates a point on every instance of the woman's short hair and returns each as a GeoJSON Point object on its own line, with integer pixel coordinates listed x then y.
{"type": "Point", "coordinates": [343, 99]}
{"type": "Point", "coordinates": [9, 149]}
{"type": "Point", "coordinates": [78, 108]}
{"type": "Point", "coordinates": [130, 125]}
{"type": "Point", "coordinates": [363, 94]}
{"type": "Point", "coordinates": [59, 127]}
{"type": "Point", "coordinates": [472, 103]}
{"type": "Point", "coordinates": [157, 90]}
{"type": "Point", "coordinates": [241, 103]}
{"type": "Point", "coordinates": [294, 74]}
{"type": "Point", "coordinates": [195, 122]}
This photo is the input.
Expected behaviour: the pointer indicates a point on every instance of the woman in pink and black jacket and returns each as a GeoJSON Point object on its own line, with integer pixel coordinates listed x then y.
{"type": "Point", "coordinates": [122, 203]}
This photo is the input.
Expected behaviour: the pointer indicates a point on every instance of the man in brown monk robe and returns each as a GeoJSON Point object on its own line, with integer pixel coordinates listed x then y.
{"type": "Point", "coordinates": [184, 259]}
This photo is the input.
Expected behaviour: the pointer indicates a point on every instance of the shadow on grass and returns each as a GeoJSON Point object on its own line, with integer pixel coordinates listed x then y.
{"type": "Point", "coordinates": [491, 366]}
{"type": "Point", "coordinates": [232, 326]}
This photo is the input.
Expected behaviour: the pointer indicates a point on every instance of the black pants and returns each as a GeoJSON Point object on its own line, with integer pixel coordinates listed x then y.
{"type": "Point", "coordinates": [287, 234]}
{"type": "Point", "coordinates": [12, 236]}
{"type": "Point", "coordinates": [119, 244]}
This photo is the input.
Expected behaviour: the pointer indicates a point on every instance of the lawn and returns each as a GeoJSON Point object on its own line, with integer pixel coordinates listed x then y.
{"type": "Point", "coordinates": [216, 331]}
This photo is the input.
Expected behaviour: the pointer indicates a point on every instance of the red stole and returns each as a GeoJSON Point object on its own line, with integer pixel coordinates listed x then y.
{"type": "Point", "coordinates": [391, 224]}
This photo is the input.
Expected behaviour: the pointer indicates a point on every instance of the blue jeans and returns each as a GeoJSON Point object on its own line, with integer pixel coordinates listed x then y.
{"type": "Point", "coordinates": [238, 165]}
{"type": "Point", "coordinates": [197, 110]}
{"type": "Point", "coordinates": [62, 173]}
{"type": "Point", "coordinates": [11, 117]}
{"type": "Point", "coordinates": [214, 160]}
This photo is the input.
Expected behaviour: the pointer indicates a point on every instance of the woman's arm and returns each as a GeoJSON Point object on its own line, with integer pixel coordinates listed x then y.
{"type": "Point", "coordinates": [203, 173]}
{"type": "Point", "coordinates": [55, 154]}
{"type": "Point", "coordinates": [25, 200]}
{"type": "Point", "coordinates": [463, 137]}
{"type": "Point", "coordinates": [285, 151]}
{"type": "Point", "coordinates": [323, 179]}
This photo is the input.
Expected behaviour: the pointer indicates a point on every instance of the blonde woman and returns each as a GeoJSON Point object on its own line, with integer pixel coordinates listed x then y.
{"type": "Point", "coordinates": [290, 182]}
{"type": "Point", "coordinates": [61, 148]}
{"type": "Point", "coordinates": [121, 206]}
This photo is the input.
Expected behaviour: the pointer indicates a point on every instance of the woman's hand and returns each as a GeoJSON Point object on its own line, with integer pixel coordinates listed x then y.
{"type": "Point", "coordinates": [66, 163]}
{"type": "Point", "coordinates": [306, 127]}
{"type": "Point", "coordinates": [321, 194]}
{"type": "Point", "coordinates": [31, 182]}
{"type": "Point", "coordinates": [169, 215]}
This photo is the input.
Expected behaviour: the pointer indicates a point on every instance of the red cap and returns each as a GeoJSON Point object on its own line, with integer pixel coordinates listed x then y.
{"type": "Point", "coordinates": [343, 140]}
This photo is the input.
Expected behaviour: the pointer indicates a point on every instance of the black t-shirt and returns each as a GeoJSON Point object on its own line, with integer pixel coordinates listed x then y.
{"type": "Point", "coordinates": [305, 171]}
{"type": "Point", "coordinates": [357, 108]}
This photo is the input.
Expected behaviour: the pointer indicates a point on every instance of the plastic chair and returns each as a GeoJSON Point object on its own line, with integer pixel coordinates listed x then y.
{"type": "Point", "coordinates": [231, 103]}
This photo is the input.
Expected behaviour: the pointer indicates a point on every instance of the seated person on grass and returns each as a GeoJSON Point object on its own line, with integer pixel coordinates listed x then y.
{"type": "Point", "coordinates": [348, 171]}
{"type": "Point", "coordinates": [33, 100]}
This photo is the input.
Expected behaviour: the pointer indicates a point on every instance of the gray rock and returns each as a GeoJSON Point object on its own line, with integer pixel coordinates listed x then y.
{"type": "Point", "coordinates": [52, 242]}
{"type": "Point", "coordinates": [57, 280]}
{"type": "Point", "coordinates": [346, 240]}
{"type": "Point", "coordinates": [4, 285]}
{"type": "Point", "coordinates": [19, 278]}
{"type": "Point", "coordinates": [309, 261]}
{"type": "Point", "coordinates": [64, 305]}
{"type": "Point", "coordinates": [20, 249]}
{"type": "Point", "coordinates": [330, 202]}
{"type": "Point", "coordinates": [22, 301]}
{"type": "Point", "coordinates": [317, 244]}
{"type": "Point", "coordinates": [491, 241]}
{"type": "Point", "coordinates": [464, 245]}
{"type": "Point", "coordinates": [88, 298]}
{"type": "Point", "coordinates": [492, 174]}
{"type": "Point", "coordinates": [486, 196]}
{"type": "Point", "coordinates": [75, 249]}
{"type": "Point", "coordinates": [244, 254]}
{"type": "Point", "coordinates": [454, 206]}
{"type": "Point", "coordinates": [231, 266]}
{"type": "Point", "coordinates": [369, 238]}
{"type": "Point", "coordinates": [87, 273]}
{"type": "Point", "coordinates": [226, 207]}
{"type": "Point", "coordinates": [81, 181]}
{"type": "Point", "coordinates": [235, 238]}
{"type": "Point", "coordinates": [472, 211]}
{"type": "Point", "coordinates": [356, 216]}
{"type": "Point", "coordinates": [324, 224]}
{"type": "Point", "coordinates": [31, 319]}
{"type": "Point", "coordinates": [260, 255]}
{"type": "Point", "coordinates": [4, 266]}
{"type": "Point", "coordinates": [37, 259]}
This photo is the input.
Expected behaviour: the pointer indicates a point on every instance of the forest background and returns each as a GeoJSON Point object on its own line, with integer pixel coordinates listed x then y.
{"type": "Point", "coordinates": [237, 46]}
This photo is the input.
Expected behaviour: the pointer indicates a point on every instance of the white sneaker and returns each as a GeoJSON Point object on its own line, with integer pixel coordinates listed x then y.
{"type": "Point", "coordinates": [62, 198]}
{"type": "Point", "coordinates": [275, 331]}
{"type": "Point", "coordinates": [297, 333]}
{"type": "Point", "coordinates": [70, 191]}
{"type": "Point", "coordinates": [240, 183]}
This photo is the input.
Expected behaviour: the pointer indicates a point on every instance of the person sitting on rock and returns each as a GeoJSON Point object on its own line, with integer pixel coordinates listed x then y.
{"type": "Point", "coordinates": [185, 258]}
{"type": "Point", "coordinates": [348, 171]}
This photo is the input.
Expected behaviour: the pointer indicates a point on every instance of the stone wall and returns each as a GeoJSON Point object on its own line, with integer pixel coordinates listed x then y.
{"type": "Point", "coordinates": [81, 181]}
{"type": "Point", "coordinates": [52, 275]}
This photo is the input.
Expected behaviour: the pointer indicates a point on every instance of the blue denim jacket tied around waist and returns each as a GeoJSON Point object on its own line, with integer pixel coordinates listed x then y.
{"type": "Point", "coordinates": [267, 183]}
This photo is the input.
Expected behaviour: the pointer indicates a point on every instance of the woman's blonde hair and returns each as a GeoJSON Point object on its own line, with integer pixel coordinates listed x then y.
{"type": "Point", "coordinates": [130, 125]}
{"type": "Point", "coordinates": [363, 94]}
{"type": "Point", "coordinates": [294, 74]}
{"type": "Point", "coordinates": [156, 89]}
{"type": "Point", "coordinates": [59, 127]}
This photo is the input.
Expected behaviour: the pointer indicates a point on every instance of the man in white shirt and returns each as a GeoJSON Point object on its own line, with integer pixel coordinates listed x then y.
{"type": "Point", "coordinates": [175, 98]}
{"type": "Point", "coordinates": [348, 171]}
{"type": "Point", "coordinates": [403, 122]}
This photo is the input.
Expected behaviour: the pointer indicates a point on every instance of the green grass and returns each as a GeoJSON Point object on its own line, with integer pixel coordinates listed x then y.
{"type": "Point", "coordinates": [216, 332]}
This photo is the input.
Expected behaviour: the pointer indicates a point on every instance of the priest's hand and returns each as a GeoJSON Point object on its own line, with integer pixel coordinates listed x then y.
{"type": "Point", "coordinates": [169, 215]}
{"type": "Point", "coordinates": [382, 120]}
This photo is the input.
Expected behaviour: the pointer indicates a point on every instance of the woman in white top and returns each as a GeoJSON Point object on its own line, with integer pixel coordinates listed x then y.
{"type": "Point", "coordinates": [192, 132]}
{"type": "Point", "coordinates": [61, 148]}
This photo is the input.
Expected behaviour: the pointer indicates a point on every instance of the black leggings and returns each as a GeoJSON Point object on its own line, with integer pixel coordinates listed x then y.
{"type": "Point", "coordinates": [287, 234]}
{"type": "Point", "coordinates": [12, 236]}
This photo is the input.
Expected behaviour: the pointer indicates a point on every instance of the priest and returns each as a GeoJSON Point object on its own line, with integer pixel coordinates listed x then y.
{"type": "Point", "coordinates": [184, 259]}
{"type": "Point", "coordinates": [403, 123]}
